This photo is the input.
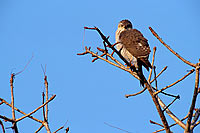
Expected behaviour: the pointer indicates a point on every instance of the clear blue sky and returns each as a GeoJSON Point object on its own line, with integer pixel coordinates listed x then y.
{"type": "Point", "coordinates": [89, 94]}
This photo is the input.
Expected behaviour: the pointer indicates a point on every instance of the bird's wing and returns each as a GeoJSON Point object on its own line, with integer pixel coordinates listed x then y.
{"type": "Point", "coordinates": [135, 43]}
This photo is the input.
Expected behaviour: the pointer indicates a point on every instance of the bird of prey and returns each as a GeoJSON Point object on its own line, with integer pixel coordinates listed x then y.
{"type": "Point", "coordinates": [133, 46]}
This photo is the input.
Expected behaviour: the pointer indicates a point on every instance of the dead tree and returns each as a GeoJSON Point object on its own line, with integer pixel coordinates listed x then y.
{"type": "Point", "coordinates": [44, 106]}
{"type": "Point", "coordinates": [192, 118]}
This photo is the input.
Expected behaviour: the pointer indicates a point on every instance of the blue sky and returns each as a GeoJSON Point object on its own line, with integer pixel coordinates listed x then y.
{"type": "Point", "coordinates": [89, 94]}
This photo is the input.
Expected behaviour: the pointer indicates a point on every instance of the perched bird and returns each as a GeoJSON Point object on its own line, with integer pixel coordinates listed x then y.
{"type": "Point", "coordinates": [133, 47]}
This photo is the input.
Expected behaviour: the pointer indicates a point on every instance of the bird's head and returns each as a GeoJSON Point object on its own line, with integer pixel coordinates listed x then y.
{"type": "Point", "coordinates": [124, 25]}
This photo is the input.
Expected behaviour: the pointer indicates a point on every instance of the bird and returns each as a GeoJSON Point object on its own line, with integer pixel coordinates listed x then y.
{"type": "Point", "coordinates": [133, 46]}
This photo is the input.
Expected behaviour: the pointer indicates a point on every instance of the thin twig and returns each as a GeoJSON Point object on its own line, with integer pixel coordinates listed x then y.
{"type": "Point", "coordinates": [6, 118]}
{"type": "Point", "coordinates": [170, 49]}
{"type": "Point", "coordinates": [196, 116]}
{"type": "Point", "coordinates": [190, 72]}
{"type": "Point", "coordinates": [2, 126]}
{"type": "Point", "coordinates": [61, 127]}
{"type": "Point", "coordinates": [153, 122]}
{"type": "Point", "coordinates": [177, 97]}
{"type": "Point", "coordinates": [152, 64]}
{"type": "Point", "coordinates": [116, 127]}
{"type": "Point", "coordinates": [14, 127]}
{"type": "Point", "coordinates": [122, 67]}
{"type": "Point", "coordinates": [110, 45]}
{"type": "Point", "coordinates": [193, 126]}
{"type": "Point", "coordinates": [39, 128]}
{"type": "Point", "coordinates": [47, 93]}
{"type": "Point", "coordinates": [111, 57]}
{"type": "Point", "coordinates": [179, 122]}
{"type": "Point", "coordinates": [36, 109]}
{"type": "Point", "coordinates": [12, 95]}
{"type": "Point", "coordinates": [4, 101]}
{"type": "Point", "coordinates": [171, 125]}
{"type": "Point", "coordinates": [25, 66]}
{"type": "Point", "coordinates": [129, 95]}
{"type": "Point", "coordinates": [58, 129]}
{"type": "Point", "coordinates": [187, 129]}
{"type": "Point", "coordinates": [154, 69]}
{"type": "Point", "coordinates": [43, 108]}
{"type": "Point", "coordinates": [135, 94]}
{"type": "Point", "coordinates": [43, 69]}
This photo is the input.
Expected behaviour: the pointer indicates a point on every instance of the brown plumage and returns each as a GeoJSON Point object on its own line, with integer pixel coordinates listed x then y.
{"type": "Point", "coordinates": [134, 44]}
{"type": "Point", "coordinates": [137, 45]}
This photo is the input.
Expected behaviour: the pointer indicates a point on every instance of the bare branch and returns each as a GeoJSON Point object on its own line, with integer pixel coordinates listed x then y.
{"type": "Point", "coordinates": [193, 126]}
{"type": "Point", "coordinates": [105, 39]}
{"type": "Point", "coordinates": [25, 66]}
{"type": "Point", "coordinates": [117, 127]}
{"type": "Point", "coordinates": [196, 116]}
{"type": "Point", "coordinates": [39, 128]}
{"type": "Point", "coordinates": [129, 95]}
{"type": "Point", "coordinates": [171, 125]}
{"type": "Point", "coordinates": [46, 125]}
{"type": "Point", "coordinates": [36, 109]}
{"type": "Point", "coordinates": [135, 94]}
{"type": "Point", "coordinates": [152, 64]}
{"type": "Point", "coordinates": [6, 118]}
{"type": "Point", "coordinates": [170, 49]}
{"type": "Point", "coordinates": [12, 95]}
{"type": "Point", "coordinates": [177, 97]}
{"type": "Point", "coordinates": [119, 66]}
{"type": "Point", "coordinates": [154, 69]}
{"type": "Point", "coordinates": [190, 72]}
{"type": "Point", "coordinates": [2, 126]}
{"type": "Point", "coordinates": [179, 122]}
{"type": "Point", "coordinates": [43, 108]}
{"type": "Point", "coordinates": [58, 129]}
{"type": "Point", "coordinates": [156, 102]}
{"type": "Point", "coordinates": [47, 93]}
{"type": "Point", "coordinates": [14, 127]}
{"type": "Point", "coordinates": [187, 129]}
{"type": "Point", "coordinates": [4, 101]}
{"type": "Point", "coordinates": [153, 122]}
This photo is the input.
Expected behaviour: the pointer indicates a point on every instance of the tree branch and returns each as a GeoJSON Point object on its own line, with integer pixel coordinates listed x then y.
{"type": "Point", "coordinates": [119, 66]}
{"type": "Point", "coordinates": [39, 128]}
{"type": "Point", "coordinates": [190, 72]}
{"type": "Point", "coordinates": [47, 93]}
{"type": "Point", "coordinates": [2, 126]}
{"type": "Point", "coordinates": [129, 95]}
{"type": "Point", "coordinates": [36, 109]}
{"type": "Point", "coordinates": [187, 129]}
{"type": "Point", "coordinates": [4, 101]}
{"type": "Point", "coordinates": [12, 103]}
{"type": "Point", "coordinates": [161, 114]}
{"type": "Point", "coordinates": [170, 49]}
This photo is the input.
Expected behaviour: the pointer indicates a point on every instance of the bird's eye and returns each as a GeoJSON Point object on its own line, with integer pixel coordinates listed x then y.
{"type": "Point", "coordinates": [128, 26]}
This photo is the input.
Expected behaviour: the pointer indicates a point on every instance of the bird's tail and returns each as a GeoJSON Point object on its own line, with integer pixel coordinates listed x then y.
{"type": "Point", "coordinates": [147, 65]}
{"type": "Point", "coordinates": [145, 62]}
{"type": "Point", "coordinates": [140, 74]}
